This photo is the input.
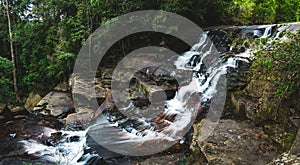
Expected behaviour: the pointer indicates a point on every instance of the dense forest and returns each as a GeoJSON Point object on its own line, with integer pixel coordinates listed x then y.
{"type": "Point", "coordinates": [47, 35]}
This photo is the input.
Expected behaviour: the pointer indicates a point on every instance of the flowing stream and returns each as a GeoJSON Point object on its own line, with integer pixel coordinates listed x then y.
{"type": "Point", "coordinates": [207, 67]}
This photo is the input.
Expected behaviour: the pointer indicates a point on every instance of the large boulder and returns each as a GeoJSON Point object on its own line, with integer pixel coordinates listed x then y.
{"type": "Point", "coordinates": [234, 142]}
{"type": "Point", "coordinates": [57, 102]}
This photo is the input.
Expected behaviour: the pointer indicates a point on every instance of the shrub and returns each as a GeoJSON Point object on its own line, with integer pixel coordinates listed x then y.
{"type": "Point", "coordinates": [6, 80]}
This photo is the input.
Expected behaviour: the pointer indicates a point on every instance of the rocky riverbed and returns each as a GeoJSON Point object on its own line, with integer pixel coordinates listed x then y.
{"type": "Point", "coordinates": [241, 137]}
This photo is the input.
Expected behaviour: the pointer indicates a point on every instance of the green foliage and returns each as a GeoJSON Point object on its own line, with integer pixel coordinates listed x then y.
{"type": "Point", "coordinates": [60, 68]}
{"type": "Point", "coordinates": [264, 11]}
{"type": "Point", "coordinates": [288, 140]}
{"type": "Point", "coordinates": [241, 10]}
{"type": "Point", "coordinates": [53, 70]}
{"type": "Point", "coordinates": [287, 10]}
{"type": "Point", "coordinates": [6, 82]}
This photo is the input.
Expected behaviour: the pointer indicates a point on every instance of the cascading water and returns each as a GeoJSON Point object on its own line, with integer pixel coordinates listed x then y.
{"type": "Point", "coordinates": [70, 149]}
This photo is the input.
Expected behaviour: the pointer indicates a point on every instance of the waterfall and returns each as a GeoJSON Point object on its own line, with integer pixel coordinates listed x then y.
{"type": "Point", "coordinates": [202, 87]}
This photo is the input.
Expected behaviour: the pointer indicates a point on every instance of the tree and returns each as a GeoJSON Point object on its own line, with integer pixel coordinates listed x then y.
{"type": "Point", "coordinates": [6, 6]}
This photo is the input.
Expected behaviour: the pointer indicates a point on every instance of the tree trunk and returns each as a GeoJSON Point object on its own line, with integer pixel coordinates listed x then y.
{"type": "Point", "coordinates": [12, 53]}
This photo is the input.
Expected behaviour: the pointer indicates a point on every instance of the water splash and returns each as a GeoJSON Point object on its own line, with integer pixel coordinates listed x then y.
{"type": "Point", "coordinates": [69, 149]}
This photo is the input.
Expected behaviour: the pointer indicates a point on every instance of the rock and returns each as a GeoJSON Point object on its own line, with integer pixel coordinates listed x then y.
{"type": "Point", "coordinates": [107, 73]}
{"type": "Point", "coordinates": [235, 142]}
{"type": "Point", "coordinates": [242, 106]}
{"type": "Point", "coordinates": [294, 27]}
{"type": "Point", "coordinates": [78, 121]}
{"type": "Point", "coordinates": [259, 103]}
{"type": "Point", "coordinates": [296, 121]}
{"type": "Point", "coordinates": [62, 87]}
{"type": "Point", "coordinates": [153, 92]}
{"type": "Point", "coordinates": [295, 149]}
{"type": "Point", "coordinates": [12, 151]}
{"type": "Point", "coordinates": [84, 92]}
{"type": "Point", "coordinates": [2, 107]}
{"type": "Point", "coordinates": [220, 39]}
{"type": "Point", "coordinates": [55, 103]}
{"type": "Point", "coordinates": [237, 77]}
{"type": "Point", "coordinates": [17, 109]}
{"type": "Point", "coordinates": [32, 100]}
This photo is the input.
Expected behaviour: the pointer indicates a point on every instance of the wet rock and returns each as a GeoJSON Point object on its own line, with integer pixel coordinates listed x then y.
{"type": "Point", "coordinates": [66, 111]}
{"type": "Point", "coordinates": [149, 89]}
{"type": "Point", "coordinates": [238, 142]}
{"type": "Point", "coordinates": [78, 121]}
{"type": "Point", "coordinates": [220, 39]}
{"type": "Point", "coordinates": [7, 116]}
{"type": "Point", "coordinates": [55, 103]}
{"type": "Point", "coordinates": [73, 139]}
{"type": "Point", "coordinates": [236, 79]}
{"type": "Point", "coordinates": [32, 100]}
{"type": "Point", "coordinates": [54, 139]}
{"type": "Point", "coordinates": [12, 150]}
